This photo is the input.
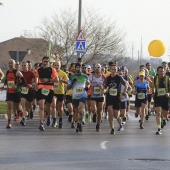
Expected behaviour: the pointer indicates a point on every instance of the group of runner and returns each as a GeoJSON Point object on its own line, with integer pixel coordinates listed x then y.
{"type": "Point", "coordinates": [86, 92]}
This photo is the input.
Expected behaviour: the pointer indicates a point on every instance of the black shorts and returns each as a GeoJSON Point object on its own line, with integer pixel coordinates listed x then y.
{"type": "Point", "coordinates": [14, 97]}
{"type": "Point", "coordinates": [60, 97]}
{"type": "Point", "coordinates": [29, 97]}
{"type": "Point", "coordinates": [68, 99]}
{"type": "Point", "coordinates": [100, 99]}
{"type": "Point", "coordinates": [89, 97]}
{"type": "Point", "coordinates": [162, 102]}
{"type": "Point", "coordinates": [113, 101]}
{"type": "Point", "coordinates": [123, 105]}
{"type": "Point", "coordinates": [149, 97]}
{"type": "Point", "coordinates": [48, 98]}
{"type": "Point", "coordinates": [77, 101]}
{"type": "Point", "coordinates": [138, 102]}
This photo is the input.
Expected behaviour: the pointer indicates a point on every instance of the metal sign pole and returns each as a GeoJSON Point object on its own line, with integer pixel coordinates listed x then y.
{"type": "Point", "coordinates": [79, 22]}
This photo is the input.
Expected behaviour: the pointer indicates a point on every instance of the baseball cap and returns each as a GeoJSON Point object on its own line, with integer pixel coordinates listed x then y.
{"type": "Point", "coordinates": [99, 65]}
{"type": "Point", "coordinates": [142, 73]}
{"type": "Point", "coordinates": [88, 66]}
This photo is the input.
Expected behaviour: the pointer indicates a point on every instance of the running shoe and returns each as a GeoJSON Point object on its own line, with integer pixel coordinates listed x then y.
{"type": "Point", "coordinates": [124, 120]}
{"type": "Point", "coordinates": [16, 118]}
{"type": "Point", "coordinates": [87, 115]}
{"type": "Point", "coordinates": [66, 112]}
{"type": "Point", "coordinates": [49, 120]}
{"type": "Point", "coordinates": [22, 122]}
{"type": "Point", "coordinates": [41, 127]}
{"type": "Point", "coordinates": [31, 114]}
{"type": "Point", "coordinates": [94, 118]}
{"type": "Point", "coordinates": [73, 125]}
{"type": "Point", "coordinates": [89, 118]}
{"type": "Point", "coordinates": [136, 115]}
{"type": "Point", "coordinates": [83, 122]}
{"type": "Point", "coordinates": [141, 126]}
{"type": "Point", "coordinates": [70, 118]}
{"type": "Point", "coordinates": [54, 124]}
{"type": "Point", "coordinates": [97, 128]}
{"type": "Point", "coordinates": [9, 125]}
{"type": "Point", "coordinates": [158, 132]}
{"type": "Point", "coordinates": [79, 128]}
{"type": "Point", "coordinates": [164, 122]}
{"type": "Point", "coordinates": [60, 125]}
{"type": "Point", "coordinates": [112, 132]}
{"type": "Point", "coordinates": [147, 117]}
{"type": "Point", "coordinates": [121, 128]}
{"type": "Point", "coordinates": [34, 106]}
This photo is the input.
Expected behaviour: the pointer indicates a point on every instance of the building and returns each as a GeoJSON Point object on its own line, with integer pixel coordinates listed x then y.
{"type": "Point", "coordinates": [35, 49]}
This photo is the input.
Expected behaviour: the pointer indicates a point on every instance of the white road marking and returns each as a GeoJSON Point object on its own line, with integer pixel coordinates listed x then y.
{"type": "Point", "coordinates": [103, 144]}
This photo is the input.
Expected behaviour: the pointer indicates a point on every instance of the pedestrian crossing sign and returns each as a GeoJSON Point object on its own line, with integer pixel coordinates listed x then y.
{"type": "Point", "coordinates": [80, 46]}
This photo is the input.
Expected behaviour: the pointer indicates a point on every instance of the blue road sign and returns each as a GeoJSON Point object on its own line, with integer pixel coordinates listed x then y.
{"type": "Point", "coordinates": [80, 46]}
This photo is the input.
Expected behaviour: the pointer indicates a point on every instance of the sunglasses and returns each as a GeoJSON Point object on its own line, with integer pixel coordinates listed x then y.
{"type": "Point", "coordinates": [84, 67]}
{"type": "Point", "coordinates": [46, 61]}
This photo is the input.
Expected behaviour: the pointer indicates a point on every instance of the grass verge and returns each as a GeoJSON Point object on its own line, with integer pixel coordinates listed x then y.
{"type": "Point", "coordinates": [3, 107]}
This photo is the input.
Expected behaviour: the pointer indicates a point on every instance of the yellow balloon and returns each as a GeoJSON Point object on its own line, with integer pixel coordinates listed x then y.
{"type": "Point", "coordinates": [156, 48]}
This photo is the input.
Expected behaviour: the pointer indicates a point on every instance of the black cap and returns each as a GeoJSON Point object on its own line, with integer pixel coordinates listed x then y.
{"type": "Point", "coordinates": [78, 65]}
{"type": "Point", "coordinates": [110, 63]}
{"type": "Point", "coordinates": [47, 58]}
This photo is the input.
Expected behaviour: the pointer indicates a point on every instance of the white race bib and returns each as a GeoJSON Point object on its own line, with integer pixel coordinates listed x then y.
{"type": "Point", "coordinates": [10, 84]}
{"type": "Point", "coordinates": [56, 86]}
{"type": "Point", "coordinates": [24, 90]}
{"type": "Point", "coordinates": [141, 95]}
{"type": "Point", "coordinates": [161, 91]}
{"type": "Point", "coordinates": [45, 92]}
{"type": "Point", "coordinates": [113, 92]}
{"type": "Point", "coordinates": [79, 90]}
{"type": "Point", "coordinates": [96, 90]}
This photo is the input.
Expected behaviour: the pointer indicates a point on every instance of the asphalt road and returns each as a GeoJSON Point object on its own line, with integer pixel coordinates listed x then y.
{"type": "Point", "coordinates": [63, 149]}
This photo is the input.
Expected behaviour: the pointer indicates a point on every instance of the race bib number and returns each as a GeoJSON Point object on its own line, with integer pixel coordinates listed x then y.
{"type": "Point", "coordinates": [161, 91]}
{"type": "Point", "coordinates": [10, 84]}
{"type": "Point", "coordinates": [141, 95]}
{"type": "Point", "coordinates": [56, 86]}
{"type": "Point", "coordinates": [45, 92]}
{"type": "Point", "coordinates": [113, 92]}
{"type": "Point", "coordinates": [24, 90]}
{"type": "Point", "coordinates": [96, 90]}
{"type": "Point", "coordinates": [79, 90]}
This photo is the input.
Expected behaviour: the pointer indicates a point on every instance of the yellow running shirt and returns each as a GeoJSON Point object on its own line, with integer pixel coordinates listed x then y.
{"type": "Point", "coordinates": [59, 88]}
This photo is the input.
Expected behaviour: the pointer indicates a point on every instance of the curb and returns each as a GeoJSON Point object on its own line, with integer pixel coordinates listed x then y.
{"type": "Point", "coordinates": [3, 116]}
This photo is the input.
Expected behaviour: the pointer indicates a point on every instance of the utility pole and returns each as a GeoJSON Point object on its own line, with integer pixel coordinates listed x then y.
{"type": "Point", "coordinates": [132, 50]}
{"type": "Point", "coordinates": [79, 22]}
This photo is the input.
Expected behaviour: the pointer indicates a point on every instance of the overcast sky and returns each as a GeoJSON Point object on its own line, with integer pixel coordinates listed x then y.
{"type": "Point", "coordinates": [148, 19]}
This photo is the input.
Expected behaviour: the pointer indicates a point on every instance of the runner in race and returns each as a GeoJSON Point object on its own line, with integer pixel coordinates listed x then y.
{"type": "Point", "coordinates": [14, 80]}
{"type": "Point", "coordinates": [97, 95]}
{"type": "Point", "coordinates": [114, 96]}
{"type": "Point", "coordinates": [27, 91]}
{"type": "Point", "coordinates": [141, 91]}
{"type": "Point", "coordinates": [161, 94]}
{"type": "Point", "coordinates": [59, 95]}
{"type": "Point", "coordinates": [79, 82]}
{"type": "Point", "coordinates": [45, 78]}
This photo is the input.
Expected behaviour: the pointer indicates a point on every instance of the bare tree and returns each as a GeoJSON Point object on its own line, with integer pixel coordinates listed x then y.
{"type": "Point", "coordinates": [103, 39]}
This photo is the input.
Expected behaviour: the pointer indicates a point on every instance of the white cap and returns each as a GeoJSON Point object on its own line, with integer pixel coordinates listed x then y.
{"type": "Point", "coordinates": [88, 66]}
